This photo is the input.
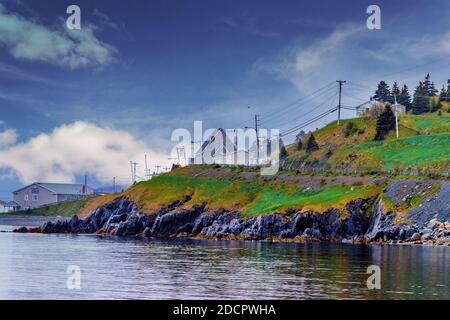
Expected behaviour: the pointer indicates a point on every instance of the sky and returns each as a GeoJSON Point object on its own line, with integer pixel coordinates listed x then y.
{"type": "Point", "coordinates": [90, 100]}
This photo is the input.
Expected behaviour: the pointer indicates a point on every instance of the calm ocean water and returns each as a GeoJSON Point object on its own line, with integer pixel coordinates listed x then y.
{"type": "Point", "coordinates": [34, 266]}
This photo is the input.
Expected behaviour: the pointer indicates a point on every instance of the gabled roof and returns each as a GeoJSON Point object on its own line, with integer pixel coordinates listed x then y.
{"type": "Point", "coordinates": [12, 204]}
{"type": "Point", "coordinates": [60, 188]}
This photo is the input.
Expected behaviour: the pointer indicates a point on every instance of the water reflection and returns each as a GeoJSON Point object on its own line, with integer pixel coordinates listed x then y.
{"type": "Point", "coordinates": [34, 266]}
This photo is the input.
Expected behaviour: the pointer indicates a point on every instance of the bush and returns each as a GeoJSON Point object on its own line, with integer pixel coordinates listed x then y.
{"type": "Point", "coordinates": [350, 129]}
{"type": "Point", "coordinates": [311, 144]}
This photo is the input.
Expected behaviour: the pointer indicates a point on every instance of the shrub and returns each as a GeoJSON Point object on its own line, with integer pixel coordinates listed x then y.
{"type": "Point", "coordinates": [311, 144]}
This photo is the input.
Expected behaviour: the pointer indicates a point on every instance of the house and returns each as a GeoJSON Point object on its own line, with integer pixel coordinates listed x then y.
{"type": "Point", "coordinates": [2, 206]}
{"type": "Point", "coordinates": [210, 151]}
{"type": "Point", "coordinates": [374, 108]}
{"type": "Point", "coordinates": [401, 109]}
{"type": "Point", "coordinates": [39, 194]}
{"type": "Point", "coordinates": [12, 206]}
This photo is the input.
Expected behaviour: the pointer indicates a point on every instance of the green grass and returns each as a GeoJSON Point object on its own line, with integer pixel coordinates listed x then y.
{"type": "Point", "coordinates": [249, 196]}
{"type": "Point", "coordinates": [66, 209]}
{"type": "Point", "coordinates": [421, 150]}
{"type": "Point", "coordinates": [427, 123]}
{"type": "Point", "coordinates": [431, 153]}
{"type": "Point", "coordinates": [318, 200]}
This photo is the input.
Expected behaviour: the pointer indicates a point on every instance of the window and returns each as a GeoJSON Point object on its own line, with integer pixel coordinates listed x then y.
{"type": "Point", "coordinates": [34, 197]}
{"type": "Point", "coordinates": [35, 190]}
{"type": "Point", "coordinates": [25, 197]}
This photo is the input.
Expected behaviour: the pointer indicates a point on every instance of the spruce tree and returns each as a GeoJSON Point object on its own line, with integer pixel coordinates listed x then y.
{"type": "Point", "coordinates": [448, 90]}
{"type": "Point", "coordinates": [429, 87]}
{"type": "Point", "coordinates": [420, 102]}
{"type": "Point", "coordinates": [395, 92]}
{"type": "Point", "coordinates": [404, 98]}
{"type": "Point", "coordinates": [443, 94]}
{"type": "Point", "coordinates": [283, 153]}
{"type": "Point", "coordinates": [311, 144]}
{"type": "Point", "coordinates": [385, 123]}
{"type": "Point", "coordinates": [299, 145]}
{"type": "Point", "coordinates": [382, 93]}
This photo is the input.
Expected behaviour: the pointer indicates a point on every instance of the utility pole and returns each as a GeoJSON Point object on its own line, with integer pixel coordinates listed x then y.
{"type": "Point", "coordinates": [85, 184]}
{"type": "Point", "coordinates": [133, 171]}
{"type": "Point", "coordinates": [257, 138]}
{"type": "Point", "coordinates": [146, 167]}
{"type": "Point", "coordinates": [184, 155]}
{"type": "Point", "coordinates": [340, 94]}
{"type": "Point", "coordinates": [114, 184]}
{"type": "Point", "coordinates": [157, 169]}
{"type": "Point", "coordinates": [396, 116]}
{"type": "Point", "coordinates": [178, 156]}
{"type": "Point", "coordinates": [166, 169]}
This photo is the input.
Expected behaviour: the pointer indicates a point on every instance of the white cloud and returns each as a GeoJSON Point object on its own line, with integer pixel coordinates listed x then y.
{"type": "Point", "coordinates": [360, 55]}
{"type": "Point", "coordinates": [77, 148]}
{"type": "Point", "coordinates": [7, 137]}
{"type": "Point", "coordinates": [29, 40]}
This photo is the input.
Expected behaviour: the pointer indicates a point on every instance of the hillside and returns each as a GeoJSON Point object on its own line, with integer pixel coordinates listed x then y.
{"type": "Point", "coordinates": [232, 203]}
{"type": "Point", "coordinates": [422, 149]}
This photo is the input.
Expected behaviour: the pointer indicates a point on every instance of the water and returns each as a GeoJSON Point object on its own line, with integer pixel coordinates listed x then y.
{"type": "Point", "coordinates": [33, 266]}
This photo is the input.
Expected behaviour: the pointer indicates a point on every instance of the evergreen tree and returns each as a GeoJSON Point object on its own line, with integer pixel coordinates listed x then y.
{"type": "Point", "coordinates": [443, 94]}
{"type": "Point", "coordinates": [420, 102]}
{"type": "Point", "coordinates": [429, 87]}
{"type": "Point", "coordinates": [404, 98]}
{"type": "Point", "coordinates": [311, 144]}
{"type": "Point", "coordinates": [448, 90]}
{"type": "Point", "coordinates": [382, 93]}
{"type": "Point", "coordinates": [300, 136]}
{"type": "Point", "coordinates": [395, 92]}
{"type": "Point", "coordinates": [385, 123]}
{"type": "Point", "coordinates": [299, 145]}
{"type": "Point", "coordinates": [283, 153]}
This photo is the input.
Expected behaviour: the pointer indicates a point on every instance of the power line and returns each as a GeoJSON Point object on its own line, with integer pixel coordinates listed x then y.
{"type": "Point", "coordinates": [287, 108]}
{"type": "Point", "coordinates": [341, 82]}
{"type": "Point", "coordinates": [327, 95]}
{"type": "Point", "coordinates": [307, 123]}
{"type": "Point", "coordinates": [328, 100]}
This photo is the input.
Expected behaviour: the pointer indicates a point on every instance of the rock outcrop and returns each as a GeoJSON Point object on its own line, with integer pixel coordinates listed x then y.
{"type": "Point", "coordinates": [121, 217]}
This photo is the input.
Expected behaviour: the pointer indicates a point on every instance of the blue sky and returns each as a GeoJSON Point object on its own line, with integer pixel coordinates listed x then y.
{"type": "Point", "coordinates": [145, 68]}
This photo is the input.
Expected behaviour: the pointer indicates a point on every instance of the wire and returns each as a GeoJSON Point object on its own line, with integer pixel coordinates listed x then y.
{"type": "Point", "coordinates": [307, 123]}
{"type": "Point", "coordinates": [327, 95]}
{"type": "Point", "coordinates": [292, 104]}
{"type": "Point", "coordinates": [329, 99]}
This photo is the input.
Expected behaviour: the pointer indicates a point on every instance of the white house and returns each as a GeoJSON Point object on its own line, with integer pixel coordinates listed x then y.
{"type": "Point", "coordinates": [39, 194]}
{"type": "Point", "coordinates": [2, 206]}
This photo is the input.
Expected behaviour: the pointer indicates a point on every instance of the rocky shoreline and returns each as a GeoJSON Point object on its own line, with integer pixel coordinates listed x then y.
{"type": "Point", "coordinates": [121, 217]}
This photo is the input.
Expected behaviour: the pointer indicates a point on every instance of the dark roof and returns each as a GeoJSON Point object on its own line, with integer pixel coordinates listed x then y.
{"type": "Point", "coordinates": [12, 204]}
{"type": "Point", "coordinates": [60, 188]}
{"type": "Point", "coordinates": [2, 202]}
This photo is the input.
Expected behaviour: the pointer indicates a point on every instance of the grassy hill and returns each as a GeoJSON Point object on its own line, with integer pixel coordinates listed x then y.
{"type": "Point", "coordinates": [422, 149]}
{"type": "Point", "coordinates": [233, 189]}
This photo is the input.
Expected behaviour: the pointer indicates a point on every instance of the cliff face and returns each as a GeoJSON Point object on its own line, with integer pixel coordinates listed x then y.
{"type": "Point", "coordinates": [362, 220]}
